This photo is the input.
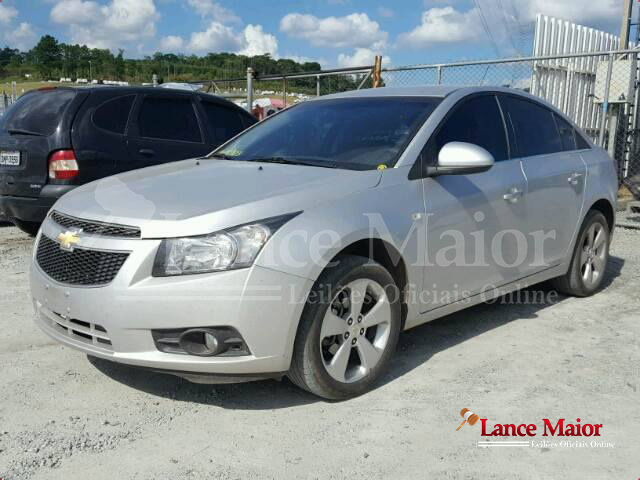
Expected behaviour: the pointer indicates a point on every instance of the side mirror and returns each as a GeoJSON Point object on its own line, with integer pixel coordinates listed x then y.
{"type": "Point", "coordinates": [461, 158]}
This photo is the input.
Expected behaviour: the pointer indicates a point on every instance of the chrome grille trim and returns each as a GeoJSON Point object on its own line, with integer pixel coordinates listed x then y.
{"type": "Point", "coordinates": [93, 227]}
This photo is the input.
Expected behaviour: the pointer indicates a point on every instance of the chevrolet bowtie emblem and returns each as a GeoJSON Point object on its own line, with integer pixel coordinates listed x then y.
{"type": "Point", "coordinates": [68, 239]}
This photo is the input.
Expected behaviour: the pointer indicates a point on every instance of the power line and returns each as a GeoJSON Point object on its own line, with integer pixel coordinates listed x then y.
{"type": "Point", "coordinates": [485, 27]}
{"type": "Point", "coordinates": [507, 26]}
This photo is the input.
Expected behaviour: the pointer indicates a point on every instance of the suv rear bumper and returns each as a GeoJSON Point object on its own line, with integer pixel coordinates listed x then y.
{"type": "Point", "coordinates": [32, 209]}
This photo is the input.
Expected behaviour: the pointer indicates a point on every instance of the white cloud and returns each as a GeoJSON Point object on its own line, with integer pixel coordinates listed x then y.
{"type": "Point", "coordinates": [213, 10]}
{"type": "Point", "coordinates": [361, 57]}
{"type": "Point", "coordinates": [217, 37]}
{"type": "Point", "coordinates": [443, 25]}
{"type": "Point", "coordinates": [354, 30]}
{"type": "Point", "coordinates": [586, 12]}
{"type": "Point", "coordinates": [257, 42]}
{"type": "Point", "coordinates": [23, 37]}
{"type": "Point", "coordinates": [116, 24]}
{"type": "Point", "coordinates": [171, 43]}
{"type": "Point", "coordinates": [7, 14]}
{"type": "Point", "coordinates": [447, 24]}
{"type": "Point", "coordinates": [250, 41]}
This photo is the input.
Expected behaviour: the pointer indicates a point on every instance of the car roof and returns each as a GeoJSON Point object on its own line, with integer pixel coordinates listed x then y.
{"type": "Point", "coordinates": [138, 89]}
{"type": "Point", "coordinates": [440, 91]}
{"type": "Point", "coordinates": [426, 91]}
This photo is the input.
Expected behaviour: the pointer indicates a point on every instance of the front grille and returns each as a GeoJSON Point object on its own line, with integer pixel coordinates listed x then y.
{"type": "Point", "coordinates": [79, 267]}
{"type": "Point", "coordinates": [85, 332]}
{"type": "Point", "coordinates": [93, 227]}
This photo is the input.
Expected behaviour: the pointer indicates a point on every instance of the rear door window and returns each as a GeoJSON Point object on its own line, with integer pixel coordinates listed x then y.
{"type": "Point", "coordinates": [113, 114]}
{"type": "Point", "coordinates": [581, 143]}
{"type": "Point", "coordinates": [39, 112]}
{"type": "Point", "coordinates": [224, 122]}
{"type": "Point", "coordinates": [169, 119]}
{"type": "Point", "coordinates": [535, 129]}
{"type": "Point", "coordinates": [567, 136]}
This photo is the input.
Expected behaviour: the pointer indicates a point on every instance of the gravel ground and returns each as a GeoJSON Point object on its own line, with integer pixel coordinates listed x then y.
{"type": "Point", "coordinates": [64, 415]}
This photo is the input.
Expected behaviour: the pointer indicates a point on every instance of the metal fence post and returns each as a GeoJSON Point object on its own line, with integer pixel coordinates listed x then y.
{"type": "Point", "coordinates": [439, 74]}
{"type": "Point", "coordinates": [284, 91]}
{"type": "Point", "coordinates": [605, 101]}
{"type": "Point", "coordinates": [249, 89]}
{"type": "Point", "coordinates": [14, 91]}
{"type": "Point", "coordinates": [317, 85]}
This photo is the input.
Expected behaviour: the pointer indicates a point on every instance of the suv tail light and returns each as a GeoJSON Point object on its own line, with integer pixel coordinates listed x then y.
{"type": "Point", "coordinates": [63, 165]}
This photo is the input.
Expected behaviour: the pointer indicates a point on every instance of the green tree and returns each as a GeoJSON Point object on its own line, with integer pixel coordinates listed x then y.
{"type": "Point", "coordinates": [119, 65]}
{"type": "Point", "coordinates": [48, 56]}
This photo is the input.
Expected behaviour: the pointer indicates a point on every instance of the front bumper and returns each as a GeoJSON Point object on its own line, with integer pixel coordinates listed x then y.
{"type": "Point", "coordinates": [115, 321]}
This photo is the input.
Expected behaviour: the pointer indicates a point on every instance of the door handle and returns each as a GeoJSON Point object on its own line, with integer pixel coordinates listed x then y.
{"type": "Point", "coordinates": [147, 152]}
{"type": "Point", "coordinates": [512, 195]}
{"type": "Point", "coordinates": [574, 177]}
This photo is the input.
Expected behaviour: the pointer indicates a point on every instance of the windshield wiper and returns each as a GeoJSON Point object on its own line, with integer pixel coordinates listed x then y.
{"type": "Point", "coordinates": [293, 161]}
{"type": "Point", "coordinates": [20, 131]}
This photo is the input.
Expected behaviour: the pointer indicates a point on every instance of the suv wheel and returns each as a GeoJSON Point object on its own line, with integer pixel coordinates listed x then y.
{"type": "Point", "coordinates": [30, 228]}
{"type": "Point", "coordinates": [348, 331]}
{"type": "Point", "coordinates": [590, 258]}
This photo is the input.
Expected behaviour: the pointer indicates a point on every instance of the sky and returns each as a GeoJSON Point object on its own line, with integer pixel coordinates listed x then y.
{"type": "Point", "coordinates": [336, 33]}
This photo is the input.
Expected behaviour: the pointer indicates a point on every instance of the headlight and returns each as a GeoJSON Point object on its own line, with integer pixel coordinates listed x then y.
{"type": "Point", "coordinates": [229, 249]}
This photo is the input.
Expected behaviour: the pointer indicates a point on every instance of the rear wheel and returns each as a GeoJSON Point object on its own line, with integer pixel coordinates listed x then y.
{"type": "Point", "coordinates": [30, 228]}
{"type": "Point", "coordinates": [348, 331]}
{"type": "Point", "coordinates": [590, 258]}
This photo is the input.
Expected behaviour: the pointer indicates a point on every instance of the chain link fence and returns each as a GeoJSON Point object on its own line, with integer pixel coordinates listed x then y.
{"type": "Point", "coordinates": [5, 102]}
{"type": "Point", "coordinates": [599, 91]}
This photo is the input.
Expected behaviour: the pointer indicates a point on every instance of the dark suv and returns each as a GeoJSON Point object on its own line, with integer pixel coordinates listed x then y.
{"type": "Point", "coordinates": [54, 139]}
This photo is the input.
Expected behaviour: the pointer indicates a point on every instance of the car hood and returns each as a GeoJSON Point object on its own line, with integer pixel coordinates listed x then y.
{"type": "Point", "coordinates": [195, 197]}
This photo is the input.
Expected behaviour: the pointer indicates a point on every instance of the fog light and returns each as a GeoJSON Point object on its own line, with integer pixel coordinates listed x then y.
{"type": "Point", "coordinates": [201, 342]}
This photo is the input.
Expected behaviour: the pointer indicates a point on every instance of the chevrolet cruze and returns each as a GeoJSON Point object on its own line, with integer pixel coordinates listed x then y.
{"type": "Point", "coordinates": [303, 246]}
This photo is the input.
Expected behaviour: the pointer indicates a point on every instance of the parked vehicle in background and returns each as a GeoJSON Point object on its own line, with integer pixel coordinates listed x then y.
{"type": "Point", "coordinates": [54, 139]}
{"type": "Point", "coordinates": [306, 244]}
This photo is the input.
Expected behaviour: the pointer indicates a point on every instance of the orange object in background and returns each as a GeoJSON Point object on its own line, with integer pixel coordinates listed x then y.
{"type": "Point", "coordinates": [469, 417]}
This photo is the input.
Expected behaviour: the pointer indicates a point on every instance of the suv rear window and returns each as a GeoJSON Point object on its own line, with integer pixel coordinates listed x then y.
{"type": "Point", "coordinates": [113, 114]}
{"type": "Point", "coordinates": [38, 112]}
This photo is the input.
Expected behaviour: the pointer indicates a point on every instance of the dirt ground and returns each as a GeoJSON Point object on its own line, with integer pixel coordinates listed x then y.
{"type": "Point", "coordinates": [63, 415]}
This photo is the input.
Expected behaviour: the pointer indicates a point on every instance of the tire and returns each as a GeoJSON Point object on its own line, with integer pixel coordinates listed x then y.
{"type": "Point", "coordinates": [30, 228]}
{"type": "Point", "coordinates": [576, 282]}
{"type": "Point", "coordinates": [331, 312]}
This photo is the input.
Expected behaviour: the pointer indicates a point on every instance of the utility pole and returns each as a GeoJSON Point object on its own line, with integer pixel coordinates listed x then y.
{"type": "Point", "coordinates": [638, 26]}
{"type": "Point", "coordinates": [626, 24]}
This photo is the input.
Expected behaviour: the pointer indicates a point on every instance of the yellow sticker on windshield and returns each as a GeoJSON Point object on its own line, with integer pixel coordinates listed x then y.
{"type": "Point", "coordinates": [232, 153]}
{"type": "Point", "coordinates": [382, 166]}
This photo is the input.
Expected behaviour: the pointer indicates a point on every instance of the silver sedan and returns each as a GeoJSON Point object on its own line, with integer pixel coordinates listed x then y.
{"type": "Point", "coordinates": [303, 246]}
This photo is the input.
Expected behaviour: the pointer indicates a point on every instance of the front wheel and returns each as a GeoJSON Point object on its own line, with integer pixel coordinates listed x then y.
{"type": "Point", "coordinates": [589, 260]}
{"type": "Point", "coordinates": [348, 331]}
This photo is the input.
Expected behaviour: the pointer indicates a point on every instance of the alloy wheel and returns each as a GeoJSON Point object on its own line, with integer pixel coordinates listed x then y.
{"type": "Point", "coordinates": [593, 255]}
{"type": "Point", "coordinates": [355, 330]}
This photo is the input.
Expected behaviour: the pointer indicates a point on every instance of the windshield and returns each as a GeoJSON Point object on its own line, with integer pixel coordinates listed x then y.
{"type": "Point", "coordinates": [38, 112]}
{"type": "Point", "coordinates": [352, 133]}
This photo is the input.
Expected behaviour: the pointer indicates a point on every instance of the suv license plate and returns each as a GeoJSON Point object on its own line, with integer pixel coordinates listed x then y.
{"type": "Point", "coordinates": [10, 159]}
